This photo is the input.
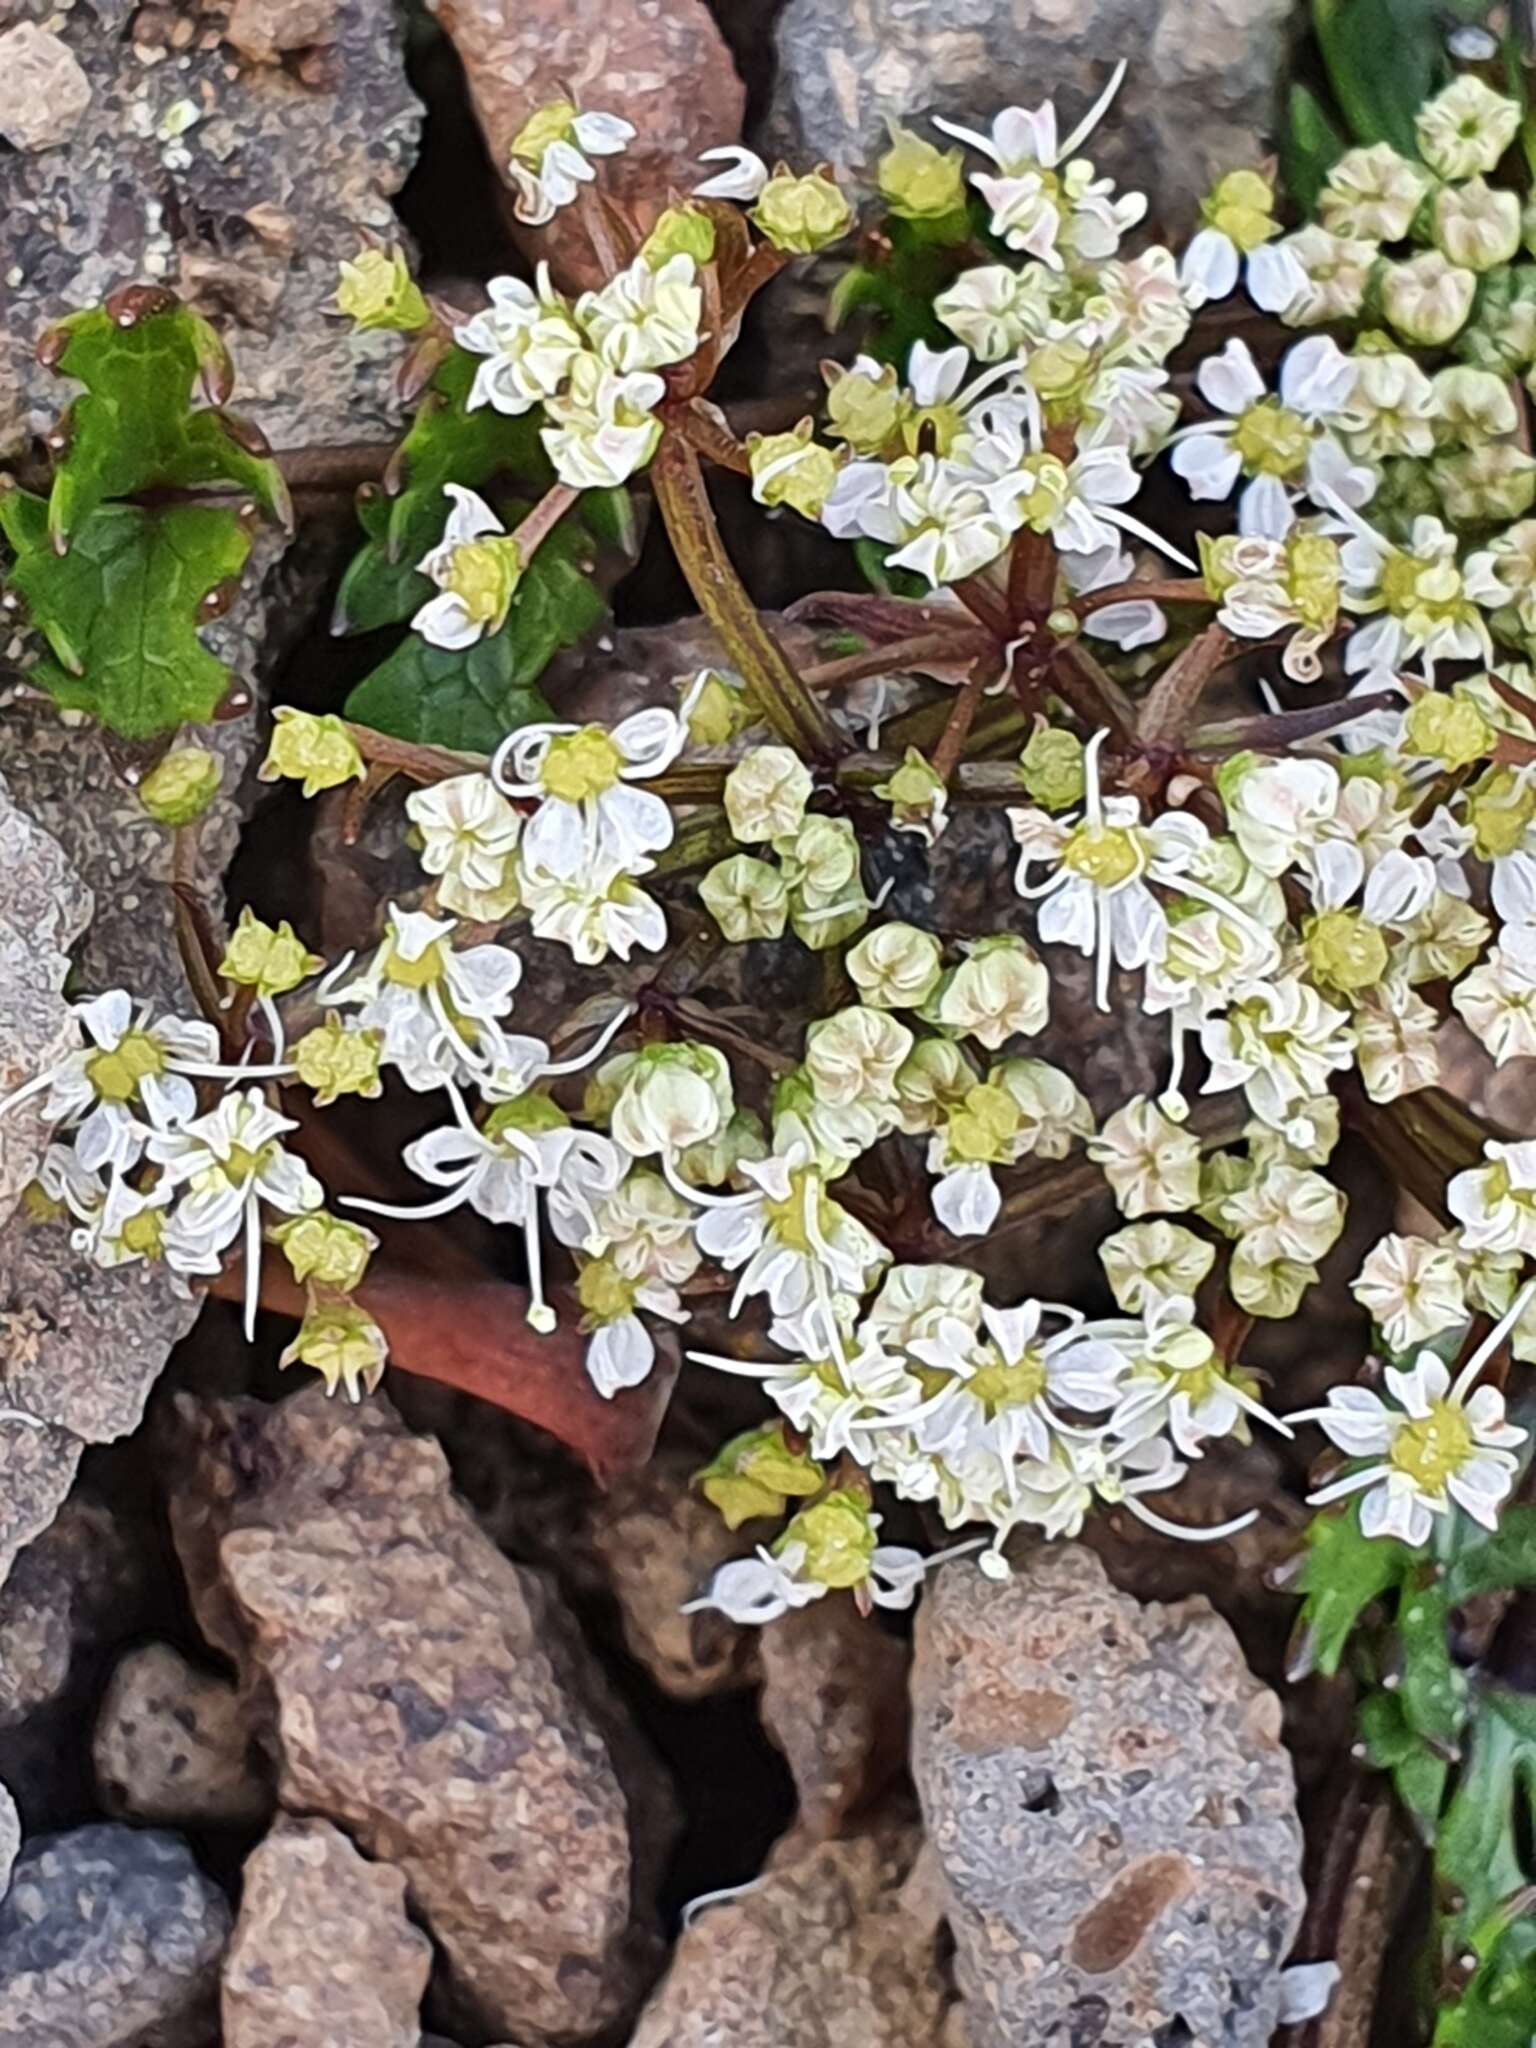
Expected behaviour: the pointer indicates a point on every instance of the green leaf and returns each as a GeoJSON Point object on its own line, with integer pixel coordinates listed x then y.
{"type": "Point", "coordinates": [472, 699]}
{"type": "Point", "coordinates": [140, 357]}
{"type": "Point", "coordinates": [1310, 146]}
{"type": "Point", "coordinates": [1433, 1691]}
{"type": "Point", "coordinates": [1342, 1573]}
{"type": "Point", "coordinates": [1478, 1854]}
{"type": "Point", "coordinates": [1497, 2007]}
{"type": "Point", "coordinates": [1496, 1562]}
{"type": "Point", "coordinates": [1384, 59]}
{"type": "Point", "coordinates": [120, 611]}
{"type": "Point", "coordinates": [445, 444]}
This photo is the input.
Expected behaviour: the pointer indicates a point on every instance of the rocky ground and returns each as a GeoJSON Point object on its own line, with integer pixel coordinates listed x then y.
{"type": "Point", "coordinates": [380, 1726]}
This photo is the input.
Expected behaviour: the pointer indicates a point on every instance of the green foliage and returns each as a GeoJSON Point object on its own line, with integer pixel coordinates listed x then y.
{"type": "Point", "coordinates": [1493, 1562]}
{"type": "Point", "coordinates": [120, 610]}
{"type": "Point", "coordinates": [1310, 146]}
{"type": "Point", "coordinates": [1342, 1573]}
{"type": "Point", "coordinates": [1480, 1863]}
{"type": "Point", "coordinates": [133, 428]}
{"type": "Point", "coordinates": [445, 444]}
{"type": "Point", "coordinates": [471, 699]}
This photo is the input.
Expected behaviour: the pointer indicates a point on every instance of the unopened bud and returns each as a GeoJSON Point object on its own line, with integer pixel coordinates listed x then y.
{"type": "Point", "coordinates": [377, 293]}
{"type": "Point", "coordinates": [801, 215]}
{"type": "Point", "coordinates": [181, 785]}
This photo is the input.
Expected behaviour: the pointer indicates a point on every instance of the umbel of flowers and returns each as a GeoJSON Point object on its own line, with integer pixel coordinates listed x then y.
{"type": "Point", "coordinates": [1301, 894]}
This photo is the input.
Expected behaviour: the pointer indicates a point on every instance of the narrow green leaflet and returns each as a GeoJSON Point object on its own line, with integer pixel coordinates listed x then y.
{"type": "Point", "coordinates": [140, 357]}
{"type": "Point", "coordinates": [1384, 59]}
{"type": "Point", "coordinates": [1342, 1573]}
{"type": "Point", "coordinates": [445, 444]}
{"type": "Point", "coordinates": [1310, 146]}
{"type": "Point", "coordinates": [1491, 1562]}
{"type": "Point", "coordinates": [1480, 1861]}
{"type": "Point", "coordinates": [120, 611]}
{"type": "Point", "coordinates": [472, 699]}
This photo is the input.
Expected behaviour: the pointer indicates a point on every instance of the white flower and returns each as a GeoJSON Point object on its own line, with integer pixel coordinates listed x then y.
{"type": "Point", "coordinates": [1336, 270]}
{"type": "Point", "coordinates": [1174, 1380]}
{"type": "Point", "coordinates": [644, 319]}
{"type": "Point", "coordinates": [1284, 1212]}
{"type": "Point", "coordinates": [1392, 408]}
{"type": "Point", "coordinates": [436, 1008]}
{"type": "Point", "coordinates": [1239, 216]}
{"type": "Point", "coordinates": [529, 341]}
{"type": "Point", "coordinates": [133, 1078]}
{"type": "Point", "coordinates": [1283, 446]}
{"type": "Point", "coordinates": [995, 310]}
{"type": "Point", "coordinates": [1412, 1288]}
{"type": "Point", "coordinates": [1441, 1446]}
{"type": "Point", "coordinates": [476, 567]}
{"type": "Point", "coordinates": [1135, 621]}
{"type": "Point", "coordinates": [744, 178]}
{"type": "Point", "coordinates": [1150, 1161]}
{"type": "Point", "coordinates": [1498, 998]}
{"type": "Point", "coordinates": [227, 1166]}
{"type": "Point", "coordinates": [1463, 131]}
{"type": "Point", "coordinates": [1423, 607]}
{"type": "Point", "coordinates": [938, 517]}
{"type": "Point", "coordinates": [469, 837]}
{"type": "Point", "coordinates": [1277, 810]}
{"type": "Point", "coordinates": [1057, 1493]}
{"type": "Point", "coordinates": [598, 910]}
{"type": "Point", "coordinates": [1373, 194]}
{"type": "Point", "coordinates": [1398, 1048]}
{"type": "Point", "coordinates": [1000, 989]}
{"type": "Point", "coordinates": [590, 815]}
{"type": "Point", "coordinates": [789, 1239]}
{"type": "Point", "coordinates": [604, 427]}
{"type": "Point", "coordinates": [1098, 898]}
{"type": "Point", "coordinates": [549, 160]}
{"type": "Point", "coordinates": [620, 1349]}
{"type": "Point", "coordinates": [1495, 1204]}
{"type": "Point", "coordinates": [1279, 1043]}
{"type": "Point", "coordinates": [1147, 1263]}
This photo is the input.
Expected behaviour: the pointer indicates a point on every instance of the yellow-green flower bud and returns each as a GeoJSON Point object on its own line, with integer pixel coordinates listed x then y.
{"type": "Point", "coordinates": [605, 1294]}
{"type": "Point", "coordinates": [376, 292]}
{"type": "Point", "coordinates": [838, 1537]}
{"type": "Point", "coordinates": [981, 1130]}
{"type": "Point", "coordinates": [792, 469]}
{"type": "Point", "coordinates": [1450, 730]}
{"type": "Point", "coordinates": [332, 1060]}
{"type": "Point", "coordinates": [801, 215]}
{"type": "Point", "coordinates": [681, 231]}
{"type": "Point", "coordinates": [1479, 485]}
{"type": "Point", "coordinates": [896, 966]}
{"type": "Point", "coordinates": [747, 898]}
{"type": "Point", "coordinates": [1060, 373]}
{"type": "Point", "coordinates": [1476, 225]}
{"type": "Point", "coordinates": [918, 181]}
{"type": "Point", "coordinates": [827, 903]}
{"type": "Point", "coordinates": [1241, 206]}
{"type": "Point", "coordinates": [318, 752]}
{"type": "Point", "coordinates": [323, 1248]}
{"type": "Point", "coordinates": [38, 1206]}
{"type": "Point", "coordinates": [1272, 1288]}
{"type": "Point", "coordinates": [1051, 768]}
{"type": "Point", "coordinates": [766, 794]}
{"type": "Point", "coordinates": [344, 1345]}
{"type": "Point", "coordinates": [755, 1474]}
{"type": "Point", "coordinates": [271, 961]}
{"type": "Point", "coordinates": [864, 407]}
{"type": "Point", "coordinates": [1426, 298]}
{"type": "Point", "coordinates": [1345, 952]}
{"type": "Point", "coordinates": [917, 796]}
{"type": "Point", "coordinates": [1500, 809]}
{"type": "Point", "coordinates": [181, 785]}
{"type": "Point", "coordinates": [553, 122]}
{"type": "Point", "coordinates": [715, 708]}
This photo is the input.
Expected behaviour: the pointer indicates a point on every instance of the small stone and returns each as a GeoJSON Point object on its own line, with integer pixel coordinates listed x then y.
{"type": "Point", "coordinates": [43, 91]}
{"type": "Point", "coordinates": [433, 1699]}
{"type": "Point", "coordinates": [1110, 1805]}
{"type": "Point", "coordinates": [174, 1744]}
{"type": "Point", "coordinates": [820, 1953]}
{"type": "Point", "coordinates": [110, 1937]}
{"type": "Point", "coordinates": [835, 1701]}
{"type": "Point", "coordinates": [264, 29]}
{"type": "Point", "coordinates": [322, 1950]}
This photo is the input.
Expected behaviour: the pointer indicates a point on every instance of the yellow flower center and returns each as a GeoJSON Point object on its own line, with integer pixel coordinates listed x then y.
{"type": "Point", "coordinates": [580, 765]}
{"type": "Point", "coordinates": [421, 972]}
{"type": "Point", "coordinates": [1430, 591]}
{"type": "Point", "coordinates": [1272, 441]}
{"type": "Point", "coordinates": [787, 1219]}
{"type": "Point", "coordinates": [1041, 488]}
{"type": "Point", "coordinates": [1500, 812]}
{"type": "Point", "coordinates": [244, 1162]}
{"type": "Point", "coordinates": [482, 575]}
{"type": "Point", "coordinates": [142, 1234]}
{"type": "Point", "coordinates": [1434, 1449]}
{"type": "Point", "coordinates": [1106, 855]}
{"type": "Point", "coordinates": [982, 1130]}
{"type": "Point", "coordinates": [115, 1075]}
{"type": "Point", "coordinates": [999, 1385]}
{"type": "Point", "coordinates": [604, 1293]}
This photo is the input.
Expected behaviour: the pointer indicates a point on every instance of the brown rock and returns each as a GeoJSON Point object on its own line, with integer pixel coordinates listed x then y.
{"type": "Point", "coordinates": [43, 91]}
{"type": "Point", "coordinates": [665, 68]}
{"type": "Point", "coordinates": [1110, 1806]}
{"type": "Point", "coordinates": [835, 1701]}
{"type": "Point", "coordinates": [175, 1744]}
{"type": "Point", "coordinates": [322, 1950]}
{"type": "Point", "coordinates": [431, 1698]}
{"type": "Point", "coordinates": [656, 1543]}
{"type": "Point", "coordinates": [264, 29]}
{"type": "Point", "coordinates": [821, 1953]}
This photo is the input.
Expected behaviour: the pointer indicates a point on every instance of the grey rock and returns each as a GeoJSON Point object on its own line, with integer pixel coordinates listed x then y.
{"type": "Point", "coordinates": [820, 1952]}
{"type": "Point", "coordinates": [109, 1938]}
{"type": "Point", "coordinates": [322, 1949]}
{"type": "Point", "coordinates": [246, 213]}
{"type": "Point", "coordinates": [43, 91]}
{"type": "Point", "coordinates": [431, 1698]}
{"type": "Point", "coordinates": [174, 1744]}
{"type": "Point", "coordinates": [1200, 94]}
{"type": "Point", "coordinates": [1110, 1806]}
{"type": "Point", "coordinates": [44, 907]}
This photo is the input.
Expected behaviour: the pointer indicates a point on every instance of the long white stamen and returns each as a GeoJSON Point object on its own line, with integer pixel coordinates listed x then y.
{"type": "Point", "coordinates": [1093, 808]}
{"type": "Point", "coordinates": [405, 1212]}
{"type": "Point", "coordinates": [1128, 524]}
{"type": "Point", "coordinates": [26, 1090]}
{"type": "Point", "coordinates": [1095, 113]}
{"type": "Point", "coordinates": [326, 987]}
{"type": "Point", "coordinates": [541, 1316]}
{"type": "Point", "coordinates": [1490, 1344]}
{"type": "Point", "coordinates": [605, 1038]}
{"type": "Point", "coordinates": [252, 1264]}
{"type": "Point", "coordinates": [22, 1415]}
{"type": "Point", "coordinates": [1186, 1534]}
{"type": "Point", "coordinates": [269, 1010]}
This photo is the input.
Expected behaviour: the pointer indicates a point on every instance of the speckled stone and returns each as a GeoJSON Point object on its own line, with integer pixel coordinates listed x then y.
{"type": "Point", "coordinates": [110, 1937]}
{"type": "Point", "coordinates": [433, 1699]}
{"type": "Point", "coordinates": [322, 1949]}
{"type": "Point", "coordinates": [174, 1744]}
{"type": "Point", "coordinates": [820, 1953]}
{"type": "Point", "coordinates": [43, 91]}
{"type": "Point", "coordinates": [1200, 95]}
{"type": "Point", "coordinates": [1111, 1808]}
{"type": "Point", "coordinates": [835, 1701]}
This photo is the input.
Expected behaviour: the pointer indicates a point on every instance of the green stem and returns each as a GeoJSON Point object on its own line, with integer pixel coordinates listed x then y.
{"type": "Point", "coordinates": [795, 713]}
